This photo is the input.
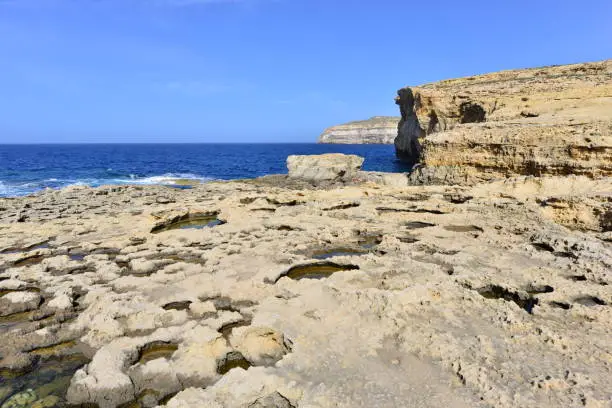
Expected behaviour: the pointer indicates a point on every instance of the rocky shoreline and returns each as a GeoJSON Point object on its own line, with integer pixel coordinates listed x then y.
{"type": "Point", "coordinates": [322, 288]}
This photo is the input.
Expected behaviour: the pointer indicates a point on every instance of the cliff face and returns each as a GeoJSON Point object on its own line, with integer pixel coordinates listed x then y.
{"type": "Point", "coordinates": [542, 121]}
{"type": "Point", "coordinates": [376, 130]}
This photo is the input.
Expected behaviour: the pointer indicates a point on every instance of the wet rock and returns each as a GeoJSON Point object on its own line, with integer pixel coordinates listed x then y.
{"type": "Point", "coordinates": [232, 360]}
{"type": "Point", "coordinates": [49, 401]}
{"type": "Point", "coordinates": [318, 270]}
{"type": "Point", "coordinates": [21, 400]}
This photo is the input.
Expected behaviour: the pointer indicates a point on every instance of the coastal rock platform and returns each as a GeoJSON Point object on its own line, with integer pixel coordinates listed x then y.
{"type": "Point", "coordinates": [275, 293]}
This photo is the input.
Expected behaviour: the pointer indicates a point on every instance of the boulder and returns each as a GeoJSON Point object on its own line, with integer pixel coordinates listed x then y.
{"type": "Point", "coordinates": [324, 167]}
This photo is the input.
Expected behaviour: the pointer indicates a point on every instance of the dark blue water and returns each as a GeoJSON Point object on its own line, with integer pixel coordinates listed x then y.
{"type": "Point", "coordinates": [25, 169]}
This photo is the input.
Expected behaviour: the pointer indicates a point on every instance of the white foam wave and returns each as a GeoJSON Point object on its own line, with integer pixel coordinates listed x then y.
{"type": "Point", "coordinates": [20, 189]}
{"type": "Point", "coordinates": [10, 190]}
{"type": "Point", "coordinates": [168, 178]}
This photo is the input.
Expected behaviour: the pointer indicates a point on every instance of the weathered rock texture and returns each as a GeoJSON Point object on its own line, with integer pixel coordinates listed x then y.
{"type": "Point", "coordinates": [324, 167]}
{"type": "Point", "coordinates": [376, 130]}
{"type": "Point", "coordinates": [542, 121]}
{"type": "Point", "coordinates": [495, 295]}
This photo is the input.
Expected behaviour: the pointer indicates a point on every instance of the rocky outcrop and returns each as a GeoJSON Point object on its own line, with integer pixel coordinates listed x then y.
{"type": "Point", "coordinates": [324, 167]}
{"type": "Point", "coordinates": [376, 130]}
{"type": "Point", "coordinates": [542, 121]}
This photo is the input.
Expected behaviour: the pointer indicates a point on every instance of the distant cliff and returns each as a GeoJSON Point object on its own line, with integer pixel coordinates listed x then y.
{"type": "Point", "coordinates": [376, 130]}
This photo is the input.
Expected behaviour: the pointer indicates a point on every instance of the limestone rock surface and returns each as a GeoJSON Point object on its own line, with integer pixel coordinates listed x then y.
{"type": "Point", "coordinates": [16, 302]}
{"type": "Point", "coordinates": [333, 166]}
{"type": "Point", "coordinates": [543, 121]}
{"type": "Point", "coordinates": [376, 130]}
{"type": "Point", "coordinates": [372, 293]}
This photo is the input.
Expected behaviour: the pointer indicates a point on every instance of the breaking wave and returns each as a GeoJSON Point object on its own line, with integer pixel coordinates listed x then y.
{"type": "Point", "coordinates": [20, 189]}
{"type": "Point", "coordinates": [168, 178]}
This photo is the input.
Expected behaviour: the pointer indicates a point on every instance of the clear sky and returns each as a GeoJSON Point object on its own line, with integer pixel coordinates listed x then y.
{"type": "Point", "coordinates": [259, 70]}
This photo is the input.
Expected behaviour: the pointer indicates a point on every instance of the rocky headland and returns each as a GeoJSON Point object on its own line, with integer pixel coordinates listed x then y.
{"type": "Point", "coordinates": [376, 130]}
{"type": "Point", "coordinates": [542, 121]}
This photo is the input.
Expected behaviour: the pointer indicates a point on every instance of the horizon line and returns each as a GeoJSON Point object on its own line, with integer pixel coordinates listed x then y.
{"type": "Point", "coordinates": [154, 143]}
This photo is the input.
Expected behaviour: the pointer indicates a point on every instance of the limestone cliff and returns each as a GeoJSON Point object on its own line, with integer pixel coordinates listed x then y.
{"type": "Point", "coordinates": [543, 121]}
{"type": "Point", "coordinates": [376, 130]}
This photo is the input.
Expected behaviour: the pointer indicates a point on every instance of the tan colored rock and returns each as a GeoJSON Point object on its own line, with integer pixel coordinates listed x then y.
{"type": "Point", "coordinates": [203, 309]}
{"type": "Point", "coordinates": [103, 381]}
{"type": "Point", "coordinates": [197, 362]}
{"type": "Point", "coordinates": [262, 345]}
{"type": "Point", "coordinates": [61, 301]}
{"type": "Point", "coordinates": [240, 388]}
{"type": "Point", "coordinates": [541, 121]}
{"type": "Point", "coordinates": [376, 130]}
{"type": "Point", "coordinates": [384, 179]}
{"type": "Point", "coordinates": [16, 302]}
{"type": "Point", "coordinates": [369, 293]}
{"type": "Point", "coordinates": [324, 167]}
{"type": "Point", "coordinates": [157, 375]}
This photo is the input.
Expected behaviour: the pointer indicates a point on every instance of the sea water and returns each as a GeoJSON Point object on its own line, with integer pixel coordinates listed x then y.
{"type": "Point", "coordinates": [25, 169]}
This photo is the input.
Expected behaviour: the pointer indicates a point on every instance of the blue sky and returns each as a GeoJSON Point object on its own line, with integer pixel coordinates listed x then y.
{"type": "Point", "coordinates": [258, 70]}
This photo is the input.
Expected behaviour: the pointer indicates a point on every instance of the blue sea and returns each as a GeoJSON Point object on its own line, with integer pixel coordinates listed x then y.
{"type": "Point", "coordinates": [25, 169]}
